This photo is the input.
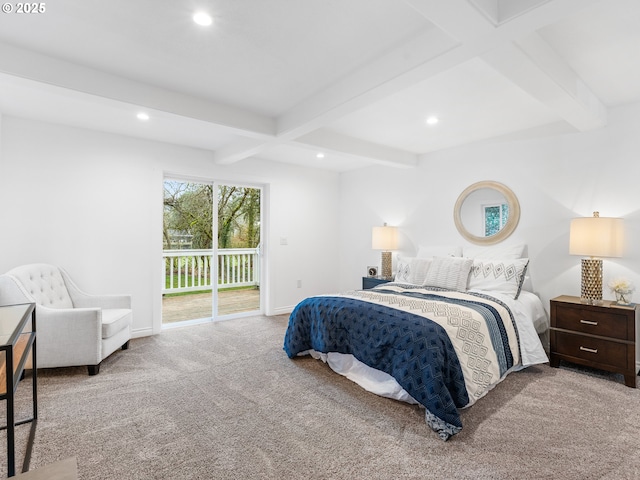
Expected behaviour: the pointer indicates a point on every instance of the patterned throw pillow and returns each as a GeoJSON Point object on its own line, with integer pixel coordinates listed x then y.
{"type": "Point", "coordinates": [412, 270]}
{"type": "Point", "coordinates": [504, 276]}
{"type": "Point", "coordinates": [451, 273]}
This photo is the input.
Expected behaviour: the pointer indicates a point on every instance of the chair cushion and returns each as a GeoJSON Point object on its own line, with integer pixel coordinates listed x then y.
{"type": "Point", "coordinates": [114, 320]}
{"type": "Point", "coordinates": [44, 283]}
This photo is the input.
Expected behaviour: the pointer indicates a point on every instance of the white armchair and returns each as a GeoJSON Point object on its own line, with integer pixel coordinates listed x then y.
{"type": "Point", "coordinates": [73, 327]}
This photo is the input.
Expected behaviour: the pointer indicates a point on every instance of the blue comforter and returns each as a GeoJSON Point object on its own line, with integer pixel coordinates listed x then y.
{"type": "Point", "coordinates": [390, 329]}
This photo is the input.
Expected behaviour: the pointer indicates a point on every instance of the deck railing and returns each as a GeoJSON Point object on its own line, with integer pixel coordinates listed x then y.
{"type": "Point", "coordinates": [191, 270]}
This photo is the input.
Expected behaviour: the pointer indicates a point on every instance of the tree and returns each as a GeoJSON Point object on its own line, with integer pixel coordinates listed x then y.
{"type": "Point", "coordinates": [252, 212]}
{"type": "Point", "coordinates": [188, 209]}
{"type": "Point", "coordinates": [188, 213]}
{"type": "Point", "coordinates": [230, 203]}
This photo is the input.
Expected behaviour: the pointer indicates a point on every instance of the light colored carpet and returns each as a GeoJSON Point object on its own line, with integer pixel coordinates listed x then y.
{"type": "Point", "coordinates": [223, 401]}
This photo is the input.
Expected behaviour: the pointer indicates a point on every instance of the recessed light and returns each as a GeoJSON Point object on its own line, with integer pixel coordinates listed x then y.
{"type": "Point", "coordinates": [143, 116]}
{"type": "Point", "coordinates": [203, 18]}
{"type": "Point", "coordinates": [432, 120]}
{"type": "Point", "coordinates": [320, 155]}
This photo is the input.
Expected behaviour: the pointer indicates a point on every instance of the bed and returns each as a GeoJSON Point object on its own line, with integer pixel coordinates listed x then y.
{"type": "Point", "coordinates": [442, 335]}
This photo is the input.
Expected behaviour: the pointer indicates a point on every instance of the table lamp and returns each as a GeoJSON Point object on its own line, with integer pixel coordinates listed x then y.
{"type": "Point", "coordinates": [385, 238]}
{"type": "Point", "coordinates": [595, 237]}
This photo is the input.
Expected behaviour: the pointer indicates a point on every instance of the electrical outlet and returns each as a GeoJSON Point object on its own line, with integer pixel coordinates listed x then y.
{"type": "Point", "coordinates": [284, 241]}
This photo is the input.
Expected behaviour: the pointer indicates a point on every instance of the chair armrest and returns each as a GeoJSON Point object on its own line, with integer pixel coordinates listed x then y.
{"type": "Point", "coordinates": [68, 336]}
{"type": "Point", "coordinates": [86, 322]}
{"type": "Point", "coordinates": [11, 293]}
{"type": "Point", "coordinates": [100, 301]}
{"type": "Point", "coordinates": [82, 299]}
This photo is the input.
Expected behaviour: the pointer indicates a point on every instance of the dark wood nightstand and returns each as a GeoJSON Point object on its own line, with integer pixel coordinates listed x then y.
{"type": "Point", "coordinates": [370, 282]}
{"type": "Point", "coordinates": [597, 336]}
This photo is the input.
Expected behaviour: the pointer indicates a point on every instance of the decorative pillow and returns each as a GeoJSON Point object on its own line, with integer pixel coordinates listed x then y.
{"type": "Point", "coordinates": [502, 252]}
{"type": "Point", "coordinates": [504, 276]}
{"type": "Point", "coordinates": [451, 273]}
{"type": "Point", "coordinates": [428, 251]}
{"type": "Point", "coordinates": [412, 270]}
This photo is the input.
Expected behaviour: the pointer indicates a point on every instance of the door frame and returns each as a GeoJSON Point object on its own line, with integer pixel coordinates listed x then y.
{"type": "Point", "coordinates": [265, 290]}
{"type": "Point", "coordinates": [261, 246]}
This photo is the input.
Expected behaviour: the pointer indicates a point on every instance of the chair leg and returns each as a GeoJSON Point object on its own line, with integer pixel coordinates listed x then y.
{"type": "Point", "coordinates": [93, 369]}
{"type": "Point", "coordinates": [126, 345]}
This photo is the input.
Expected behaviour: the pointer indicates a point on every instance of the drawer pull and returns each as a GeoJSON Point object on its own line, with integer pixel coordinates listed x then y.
{"type": "Point", "coordinates": [589, 322]}
{"type": "Point", "coordinates": [590, 350]}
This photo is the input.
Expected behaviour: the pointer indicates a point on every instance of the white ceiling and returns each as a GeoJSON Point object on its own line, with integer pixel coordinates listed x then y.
{"type": "Point", "coordinates": [355, 79]}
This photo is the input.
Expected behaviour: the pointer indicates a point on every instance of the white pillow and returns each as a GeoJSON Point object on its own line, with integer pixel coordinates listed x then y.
{"type": "Point", "coordinates": [428, 251]}
{"type": "Point", "coordinates": [504, 276]}
{"type": "Point", "coordinates": [501, 252]}
{"type": "Point", "coordinates": [451, 273]}
{"type": "Point", "coordinates": [412, 270]}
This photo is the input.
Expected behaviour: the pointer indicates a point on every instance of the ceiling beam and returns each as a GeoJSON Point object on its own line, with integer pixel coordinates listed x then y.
{"type": "Point", "coordinates": [48, 70]}
{"type": "Point", "coordinates": [457, 18]}
{"type": "Point", "coordinates": [455, 32]}
{"type": "Point", "coordinates": [327, 140]}
{"type": "Point", "coordinates": [462, 33]}
{"type": "Point", "coordinates": [538, 70]}
{"type": "Point", "coordinates": [239, 150]}
{"type": "Point", "coordinates": [376, 80]}
{"type": "Point", "coordinates": [384, 76]}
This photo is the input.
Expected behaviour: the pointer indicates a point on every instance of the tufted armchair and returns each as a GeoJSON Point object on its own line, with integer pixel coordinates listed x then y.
{"type": "Point", "coordinates": [74, 328]}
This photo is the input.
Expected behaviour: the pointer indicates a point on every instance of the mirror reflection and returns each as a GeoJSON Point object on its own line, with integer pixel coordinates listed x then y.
{"type": "Point", "coordinates": [486, 212]}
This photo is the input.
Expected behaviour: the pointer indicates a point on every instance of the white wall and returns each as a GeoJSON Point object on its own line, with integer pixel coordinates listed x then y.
{"type": "Point", "coordinates": [554, 179]}
{"type": "Point", "coordinates": [92, 203]}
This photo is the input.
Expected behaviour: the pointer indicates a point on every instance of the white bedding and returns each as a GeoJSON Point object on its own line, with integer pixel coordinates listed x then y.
{"type": "Point", "coordinates": [530, 318]}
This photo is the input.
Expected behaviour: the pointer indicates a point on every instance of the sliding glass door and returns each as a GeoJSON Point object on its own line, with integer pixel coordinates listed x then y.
{"type": "Point", "coordinates": [212, 263]}
{"type": "Point", "coordinates": [238, 236]}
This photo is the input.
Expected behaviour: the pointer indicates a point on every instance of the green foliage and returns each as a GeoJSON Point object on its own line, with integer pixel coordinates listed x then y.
{"type": "Point", "coordinates": [495, 217]}
{"type": "Point", "coordinates": [238, 217]}
{"type": "Point", "coordinates": [188, 220]}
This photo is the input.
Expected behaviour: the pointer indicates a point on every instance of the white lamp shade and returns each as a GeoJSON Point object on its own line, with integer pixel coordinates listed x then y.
{"type": "Point", "coordinates": [596, 237]}
{"type": "Point", "coordinates": [384, 238]}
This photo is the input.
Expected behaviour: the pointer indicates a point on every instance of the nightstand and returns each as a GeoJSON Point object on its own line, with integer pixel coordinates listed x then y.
{"type": "Point", "coordinates": [370, 282]}
{"type": "Point", "coordinates": [597, 336]}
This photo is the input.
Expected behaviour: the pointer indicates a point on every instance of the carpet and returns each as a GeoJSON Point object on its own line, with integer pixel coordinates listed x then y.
{"type": "Point", "coordinates": [223, 401]}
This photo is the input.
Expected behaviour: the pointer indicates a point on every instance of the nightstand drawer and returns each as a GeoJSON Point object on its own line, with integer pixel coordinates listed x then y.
{"type": "Point", "coordinates": [598, 350]}
{"type": "Point", "coordinates": [605, 324]}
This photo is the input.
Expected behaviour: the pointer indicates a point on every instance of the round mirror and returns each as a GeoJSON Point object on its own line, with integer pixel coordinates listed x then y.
{"type": "Point", "coordinates": [486, 213]}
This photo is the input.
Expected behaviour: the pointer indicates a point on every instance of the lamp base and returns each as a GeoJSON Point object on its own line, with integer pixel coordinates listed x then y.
{"type": "Point", "coordinates": [386, 265]}
{"type": "Point", "coordinates": [591, 288]}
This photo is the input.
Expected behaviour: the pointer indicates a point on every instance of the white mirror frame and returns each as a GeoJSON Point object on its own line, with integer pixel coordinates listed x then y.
{"type": "Point", "coordinates": [507, 229]}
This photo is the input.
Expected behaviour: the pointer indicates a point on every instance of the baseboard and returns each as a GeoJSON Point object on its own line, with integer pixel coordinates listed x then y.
{"type": "Point", "coordinates": [141, 332]}
{"type": "Point", "coordinates": [282, 310]}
